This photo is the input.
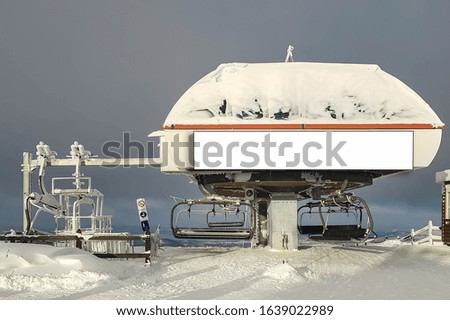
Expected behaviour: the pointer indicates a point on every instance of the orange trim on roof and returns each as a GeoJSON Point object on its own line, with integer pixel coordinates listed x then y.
{"type": "Point", "coordinates": [370, 126]}
{"type": "Point", "coordinates": [239, 126]}
{"type": "Point", "coordinates": [298, 126]}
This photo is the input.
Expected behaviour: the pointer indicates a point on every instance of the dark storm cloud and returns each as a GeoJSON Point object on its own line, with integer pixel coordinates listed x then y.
{"type": "Point", "coordinates": [91, 70]}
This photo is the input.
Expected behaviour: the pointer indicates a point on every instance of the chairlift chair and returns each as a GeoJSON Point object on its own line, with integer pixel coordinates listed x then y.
{"type": "Point", "coordinates": [225, 219]}
{"type": "Point", "coordinates": [346, 204]}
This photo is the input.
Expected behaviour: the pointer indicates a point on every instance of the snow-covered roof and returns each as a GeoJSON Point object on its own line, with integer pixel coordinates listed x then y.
{"type": "Point", "coordinates": [300, 92]}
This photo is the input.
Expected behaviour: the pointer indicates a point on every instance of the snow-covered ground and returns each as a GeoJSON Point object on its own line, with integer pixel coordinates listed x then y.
{"type": "Point", "coordinates": [333, 271]}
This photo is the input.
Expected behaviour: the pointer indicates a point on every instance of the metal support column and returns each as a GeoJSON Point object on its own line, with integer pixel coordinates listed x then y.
{"type": "Point", "coordinates": [26, 183]}
{"type": "Point", "coordinates": [446, 214]}
{"type": "Point", "coordinates": [443, 178]}
{"type": "Point", "coordinates": [282, 212]}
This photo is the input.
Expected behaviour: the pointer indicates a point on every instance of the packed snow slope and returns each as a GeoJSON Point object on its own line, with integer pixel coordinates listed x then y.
{"type": "Point", "coordinates": [300, 92]}
{"type": "Point", "coordinates": [30, 271]}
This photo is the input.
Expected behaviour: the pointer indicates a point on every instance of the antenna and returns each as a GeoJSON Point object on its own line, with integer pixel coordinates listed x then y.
{"type": "Point", "coordinates": [290, 55]}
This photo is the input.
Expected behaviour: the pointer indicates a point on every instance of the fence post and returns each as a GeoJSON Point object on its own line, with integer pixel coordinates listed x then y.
{"type": "Point", "coordinates": [79, 243]}
{"type": "Point", "coordinates": [148, 247]}
{"type": "Point", "coordinates": [430, 232]}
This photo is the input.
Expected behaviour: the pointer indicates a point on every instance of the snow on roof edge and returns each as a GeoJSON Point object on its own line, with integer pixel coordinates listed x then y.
{"type": "Point", "coordinates": [300, 92]}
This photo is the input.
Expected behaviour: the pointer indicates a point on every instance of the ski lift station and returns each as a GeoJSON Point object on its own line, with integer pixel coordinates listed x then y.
{"type": "Point", "coordinates": [277, 149]}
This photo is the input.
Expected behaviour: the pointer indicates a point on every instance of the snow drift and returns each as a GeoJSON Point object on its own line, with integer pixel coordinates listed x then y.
{"type": "Point", "coordinates": [377, 271]}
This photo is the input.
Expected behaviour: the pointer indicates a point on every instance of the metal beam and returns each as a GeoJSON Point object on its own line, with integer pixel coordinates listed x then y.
{"type": "Point", "coordinates": [101, 162]}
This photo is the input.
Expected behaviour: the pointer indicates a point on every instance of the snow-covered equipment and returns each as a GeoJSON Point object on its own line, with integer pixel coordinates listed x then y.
{"type": "Point", "coordinates": [77, 207]}
{"type": "Point", "coordinates": [330, 128]}
{"type": "Point", "coordinates": [290, 54]}
{"type": "Point", "coordinates": [340, 217]}
{"type": "Point", "coordinates": [212, 218]}
{"type": "Point", "coordinates": [379, 117]}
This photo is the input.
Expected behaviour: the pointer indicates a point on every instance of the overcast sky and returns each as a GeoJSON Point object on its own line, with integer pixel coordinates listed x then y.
{"type": "Point", "coordinates": [89, 70]}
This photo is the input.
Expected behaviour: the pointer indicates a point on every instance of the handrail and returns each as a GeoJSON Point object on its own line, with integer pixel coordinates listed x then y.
{"type": "Point", "coordinates": [428, 230]}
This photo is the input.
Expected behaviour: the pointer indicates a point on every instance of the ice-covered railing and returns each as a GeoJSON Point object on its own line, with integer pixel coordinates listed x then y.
{"type": "Point", "coordinates": [429, 234]}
